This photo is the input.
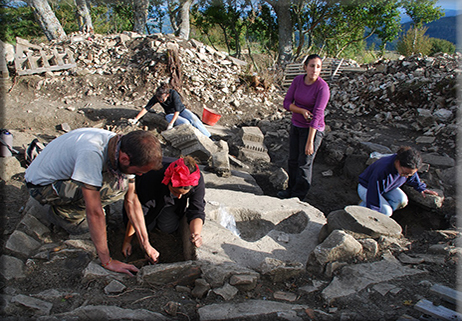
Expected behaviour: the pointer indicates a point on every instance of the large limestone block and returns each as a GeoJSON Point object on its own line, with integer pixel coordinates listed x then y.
{"type": "Point", "coordinates": [433, 202]}
{"type": "Point", "coordinates": [363, 220]}
{"type": "Point", "coordinates": [268, 227]}
{"type": "Point", "coordinates": [258, 309]}
{"type": "Point", "coordinates": [354, 278]}
{"type": "Point", "coordinates": [104, 312]}
{"type": "Point", "coordinates": [190, 141]}
{"type": "Point", "coordinates": [11, 267]}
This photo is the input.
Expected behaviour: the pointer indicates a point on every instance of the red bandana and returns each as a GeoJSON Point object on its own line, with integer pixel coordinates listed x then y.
{"type": "Point", "coordinates": [178, 174]}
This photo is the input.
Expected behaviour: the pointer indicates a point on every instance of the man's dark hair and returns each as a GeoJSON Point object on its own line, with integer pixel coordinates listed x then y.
{"type": "Point", "coordinates": [409, 157]}
{"type": "Point", "coordinates": [163, 89]}
{"type": "Point", "coordinates": [311, 57]}
{"type": "Point", "coordinates": [142, 147]}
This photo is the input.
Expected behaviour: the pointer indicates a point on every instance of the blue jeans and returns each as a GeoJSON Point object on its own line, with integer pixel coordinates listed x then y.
{"type": "Point", "coordinates": [389, 202]}
{"type": "Point", "coordinates": [187, 117]}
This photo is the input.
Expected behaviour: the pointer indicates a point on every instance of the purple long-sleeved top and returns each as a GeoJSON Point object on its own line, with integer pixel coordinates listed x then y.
{"type": "Point", "coordinates": [381, 177]}
{"type": "Point", "coordinates": [312, 97]}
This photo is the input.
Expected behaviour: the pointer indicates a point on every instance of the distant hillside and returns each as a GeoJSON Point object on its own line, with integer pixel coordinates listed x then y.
{"type": "Point", "coordinates": [444, 28]}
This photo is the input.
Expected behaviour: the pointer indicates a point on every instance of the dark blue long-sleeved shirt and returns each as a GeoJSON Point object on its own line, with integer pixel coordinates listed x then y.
{"type": "Point", "coordinates": [382, 177]}
{"type": "Point", "coordinates": [170, 106]}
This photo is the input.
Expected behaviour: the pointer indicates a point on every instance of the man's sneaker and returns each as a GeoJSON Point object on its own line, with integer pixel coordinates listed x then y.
{"type": "Point", "coordinates": [284, 194]}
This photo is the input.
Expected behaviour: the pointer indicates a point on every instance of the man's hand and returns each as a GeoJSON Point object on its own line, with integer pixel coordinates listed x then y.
{"type": "Point", "coordinates": [117, 266]}
{"type": "Point", "coordinates": [133, 121]}
{"type": "Point", "coordinates": [170, 126]}
{"type": "Point", "coordinates": [152, 254]}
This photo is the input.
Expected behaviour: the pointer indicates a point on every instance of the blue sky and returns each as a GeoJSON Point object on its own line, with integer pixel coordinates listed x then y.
{"type": "Point", "coordinates": [450, 4]}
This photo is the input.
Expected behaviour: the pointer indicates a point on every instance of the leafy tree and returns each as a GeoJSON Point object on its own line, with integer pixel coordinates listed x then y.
{"type": "Point", "coordinates": [414, 41]}
{"type": "Point", "coordinates": [140, 15]}
{"type": "Point", "coordinates": [282, 8]}
{"type": "Point", "coordinates": [17, 21]}
{"type": "Point", "coordinates": [342, 21]}
{"type": "Point", "coordinates": [179, 17]}
{"type": "Point", "coordinates": [261, 27]}
{"type": "Point", "coordinates": [66, 13]}
{"type": "Point", "coordinates": [47, 19]}
{"type": "Point", "coordinates": [421, 11]}
{"type": "Point", "coordinates": [83, 16]}
{"type": "Point", "coordinates": [156, 15]}
{"type": "Point", "coordinates": [227, 15]}
{"type": "Point", "coordinates": [441, 45]}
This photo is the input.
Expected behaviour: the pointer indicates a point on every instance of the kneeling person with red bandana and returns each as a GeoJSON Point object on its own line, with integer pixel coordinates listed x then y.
{"type": "Point", "coordinates": [165, 196]}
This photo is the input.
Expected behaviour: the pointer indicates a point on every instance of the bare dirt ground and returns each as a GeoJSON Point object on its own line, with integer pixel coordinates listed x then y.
{"type": "Point", "coordinates": [39, 112]}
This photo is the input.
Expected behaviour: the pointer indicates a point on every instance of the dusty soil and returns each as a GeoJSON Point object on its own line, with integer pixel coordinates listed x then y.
{"type": "Point", "coordinates": [41, 112]}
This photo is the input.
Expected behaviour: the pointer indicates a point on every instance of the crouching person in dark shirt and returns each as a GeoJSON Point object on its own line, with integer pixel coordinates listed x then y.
{"type": "Point", "coordinates": [165, 196]}
{"type": "Point", "coordinates": [379, 184]}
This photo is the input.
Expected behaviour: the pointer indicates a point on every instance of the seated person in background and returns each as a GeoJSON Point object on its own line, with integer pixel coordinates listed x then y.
{"type": "Point", "coordinates": [82, 171]}
{"type": "Point", "coordinates": [176, 112]}
{"type": "Point", "coordinates": [165, 196]}
{"type": "Point", "coordinates": [379, 184]}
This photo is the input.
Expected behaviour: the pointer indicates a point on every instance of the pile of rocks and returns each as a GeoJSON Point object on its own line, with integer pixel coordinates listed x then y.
{"type": "Point", "coordinates": [416, 92]}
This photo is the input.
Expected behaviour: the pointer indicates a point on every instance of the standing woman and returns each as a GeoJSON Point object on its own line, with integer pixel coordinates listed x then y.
{"type": "Point", "coordinates": [306, 98]}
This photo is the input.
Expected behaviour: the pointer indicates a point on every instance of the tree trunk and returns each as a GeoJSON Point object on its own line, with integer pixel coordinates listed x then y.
{"type": "Point", "coordinates": [140, 15]}
{"type": "Point", "coordinates": [282, 9]}
{"type": "Point", "coordinates": [183, 31]}
{"type": "Point", "coordinates": [47, 19]}
{"type": "Point", "coordinates": [84, 17]}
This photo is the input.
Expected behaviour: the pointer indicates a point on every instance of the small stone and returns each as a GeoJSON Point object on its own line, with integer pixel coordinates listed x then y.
{"type": "Point", "coordinates": [286, 296]}
{"type": "Point", "coordinates": [114, 287]}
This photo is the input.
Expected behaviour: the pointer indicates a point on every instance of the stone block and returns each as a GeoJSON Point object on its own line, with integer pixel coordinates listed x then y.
{"type": "Point", "coordinates": [114, 287]}
{"type": "Point", "coordinates": [244, 282]}
{"type": "Point", "coordinates": [182, 273]}
{"type": "Point", "coordinates": [190, 141]}
{"type": "Point", "coordinates": [363, 220]}
{"type": "Point", "coordinates": [21, 243]}
{"type": "Point", "coordinates": [227, 292]}
{"type": "Point", "coordinates": [279, 271]}
{"type": "Point", "coordinates": [95, 271]}
{"type": "Point", "coordinates": [34, 226]}
{"type": "Point", "coordinates": [218, 274]}
{"type": "Point", "coordinates": [11, 267]}
{"type": "Point", "coordinates": [201, 287]}
{"type": "Point", "coordinates": [338, 246]}
{"type": "Point", "coordinates": [432, 202]}
{"type": "Point", "coordinates": [249, 144]}
{"type": "Point", "coordinates": [38, 306]}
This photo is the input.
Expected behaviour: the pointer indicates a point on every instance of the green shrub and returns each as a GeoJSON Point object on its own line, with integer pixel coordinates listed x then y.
{"type": "Point", "coordinates": [441, 45]}
{"type": "Point", "coordinates": [414, 41]}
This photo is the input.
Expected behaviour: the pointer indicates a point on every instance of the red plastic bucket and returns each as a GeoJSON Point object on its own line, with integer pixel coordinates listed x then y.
{"type": "Point", "coordinates": [209, 116]}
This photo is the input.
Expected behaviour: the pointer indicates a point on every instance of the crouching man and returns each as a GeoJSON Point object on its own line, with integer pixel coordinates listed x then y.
{"type": "Point", "coordinates": [82, 171]}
